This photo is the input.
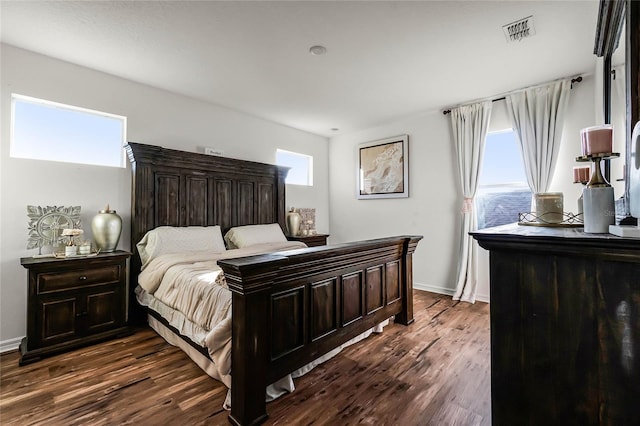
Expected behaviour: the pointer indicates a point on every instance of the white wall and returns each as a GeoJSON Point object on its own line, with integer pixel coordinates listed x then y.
{"type": "Point", "coordinates": [154, 117]}
{"type": "Point", "coordinates": [434, 203]}
{"type": "Point", "coordinates": [433, 206]}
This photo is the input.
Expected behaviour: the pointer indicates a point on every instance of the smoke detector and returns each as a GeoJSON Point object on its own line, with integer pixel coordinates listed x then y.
{"type": "Point", "coordinates": [522, 28]}
{"type": "Point", "coordinates": [317, 50]}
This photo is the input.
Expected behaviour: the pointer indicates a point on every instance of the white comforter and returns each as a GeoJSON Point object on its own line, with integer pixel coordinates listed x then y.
{"type": "Point", "coordinates": [189, 290]}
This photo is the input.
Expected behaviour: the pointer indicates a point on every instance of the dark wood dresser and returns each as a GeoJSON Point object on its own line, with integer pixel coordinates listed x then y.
{"type": "Point", "coordinates": [311, 240]}
{"type": "Point", "coordinates": [74, 302]}
{"type": "Point", "coordinates": [565, 326]}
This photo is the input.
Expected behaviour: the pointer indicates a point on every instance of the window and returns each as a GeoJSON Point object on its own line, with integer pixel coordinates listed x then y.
{"type": "Point", "coordinates": [301, 172]}
{"type": "Point", "coordinates": [44, 130]}
{"type": "Point", "coordinates": [503, 191]}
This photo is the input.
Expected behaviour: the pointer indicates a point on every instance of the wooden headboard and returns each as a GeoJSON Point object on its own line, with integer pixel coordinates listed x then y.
{"type": "Point", "coordinates": [177, 188]}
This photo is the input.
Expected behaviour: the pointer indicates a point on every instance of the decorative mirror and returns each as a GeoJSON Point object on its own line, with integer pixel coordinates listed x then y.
{"type": "Point", "coordinates": [617, 18]}
{"type": "Point", "coordinates": [46, 224]}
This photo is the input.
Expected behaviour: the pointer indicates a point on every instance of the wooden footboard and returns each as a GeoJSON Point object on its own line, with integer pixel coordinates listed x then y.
{"type": "Point", "coordinates": [290, 308]}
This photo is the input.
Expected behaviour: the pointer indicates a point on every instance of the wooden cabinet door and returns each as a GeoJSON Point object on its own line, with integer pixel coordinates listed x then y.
{"type": "Point", "coordinates": [103, 310]}
{"type": "Point", "coordinates": [57, 319]}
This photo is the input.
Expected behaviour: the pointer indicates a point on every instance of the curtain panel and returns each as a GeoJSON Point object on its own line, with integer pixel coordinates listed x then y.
{"type": "Point", "coordinates": [537, 116]}
{"type": "Point", "coordinates": [469, 124]}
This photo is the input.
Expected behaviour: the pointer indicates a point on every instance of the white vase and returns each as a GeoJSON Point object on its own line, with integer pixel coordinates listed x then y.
{"type": "Point", "coordinates": [580, 204]}
{"type": "Point", "coordinates": [599, 209]}
{"type": "Point", "coordinates": [293, 222]}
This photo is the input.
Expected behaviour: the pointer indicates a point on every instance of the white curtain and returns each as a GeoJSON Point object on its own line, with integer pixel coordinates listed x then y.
{"type": "Point", "coordinates": [469, 124]}
{"type": "Point", "coordinates": [537, 116]}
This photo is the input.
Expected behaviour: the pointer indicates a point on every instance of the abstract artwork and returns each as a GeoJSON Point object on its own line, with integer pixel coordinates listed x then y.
{"type": "Point", "coordinates": [383, 168]}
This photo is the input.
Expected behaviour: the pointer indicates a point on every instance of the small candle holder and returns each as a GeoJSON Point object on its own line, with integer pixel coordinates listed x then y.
{"type": "Point", "coordinates": [597, 180]}
{"type": "Point", "coordinates": [84, 248]}
{"type": "Point", "coordinates": [597, 139]}
{"type": "Point", "coordinates": [550, 207]}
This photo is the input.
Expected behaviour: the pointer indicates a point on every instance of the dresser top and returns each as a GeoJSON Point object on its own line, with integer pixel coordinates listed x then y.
{"type": "Point", "coordinates": [557, 236]}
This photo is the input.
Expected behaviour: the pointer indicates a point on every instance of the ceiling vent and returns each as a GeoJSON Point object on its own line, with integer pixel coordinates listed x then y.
{"type": "Point", "coordinates": [519, 29]}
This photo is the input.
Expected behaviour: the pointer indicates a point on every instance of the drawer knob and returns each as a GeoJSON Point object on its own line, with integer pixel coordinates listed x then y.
{"type": "Point", "coordinates": [82, 277]}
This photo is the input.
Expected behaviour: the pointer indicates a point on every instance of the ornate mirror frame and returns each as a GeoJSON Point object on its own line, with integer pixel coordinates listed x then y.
{"type": "Point", "coordinates": [612, 16]}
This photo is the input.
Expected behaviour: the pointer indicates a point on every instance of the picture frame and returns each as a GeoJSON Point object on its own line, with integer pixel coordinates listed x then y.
{"type": "Point", "coordinates": [383, 168]}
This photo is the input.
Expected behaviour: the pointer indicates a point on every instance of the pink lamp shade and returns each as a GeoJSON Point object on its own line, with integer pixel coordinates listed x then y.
{"type": "Point", "coordinates": [597, 139]}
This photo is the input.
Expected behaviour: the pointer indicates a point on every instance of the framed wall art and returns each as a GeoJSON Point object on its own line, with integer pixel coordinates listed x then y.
{"type": "Point", "coordinates": [383, 168]}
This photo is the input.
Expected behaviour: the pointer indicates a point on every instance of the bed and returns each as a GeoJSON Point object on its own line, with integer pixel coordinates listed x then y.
{"type": "Point", "coordinates": [289, 307]}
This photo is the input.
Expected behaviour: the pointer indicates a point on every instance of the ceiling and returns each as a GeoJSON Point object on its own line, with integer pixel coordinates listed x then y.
{"type": "Point", "coordinates": [385, 60]}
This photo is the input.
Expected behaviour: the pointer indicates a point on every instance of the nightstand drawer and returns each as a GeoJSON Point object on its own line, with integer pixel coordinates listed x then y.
{"type": "Point", "coordinates": [56, 281]}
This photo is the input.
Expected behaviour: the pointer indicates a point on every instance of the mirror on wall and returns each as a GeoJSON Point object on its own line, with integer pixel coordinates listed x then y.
{"type": "Point", "coordinates": [617, 43]}
{"type": "Point", "coordinates": [618, 117]}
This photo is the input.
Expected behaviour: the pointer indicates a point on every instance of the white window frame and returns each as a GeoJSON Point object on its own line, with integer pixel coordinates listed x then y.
{"type": "Point", "coordinates": [309, 163]}
{"type": "Point", "coordinates": [500, 188]}
{"type": "Point", "coordinates": [15, 153]}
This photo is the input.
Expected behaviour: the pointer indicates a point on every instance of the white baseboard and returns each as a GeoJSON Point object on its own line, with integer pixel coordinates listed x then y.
{"type": "Point", "coordinates": [446, 291]}
{"type": "Point", "coordinates": [10, 345]}
{"type": "Point", "coordinates": [482, 298]}
{"type": "Point", "coordinates": [433, 288]}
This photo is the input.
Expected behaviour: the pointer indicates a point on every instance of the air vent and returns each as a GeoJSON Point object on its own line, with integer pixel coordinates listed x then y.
{"type": "Point", "coordinates": [519, 29]}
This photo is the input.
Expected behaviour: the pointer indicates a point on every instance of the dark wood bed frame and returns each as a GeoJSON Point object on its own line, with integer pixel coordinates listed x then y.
{"type": "Point", "coordinates": [289, 308]}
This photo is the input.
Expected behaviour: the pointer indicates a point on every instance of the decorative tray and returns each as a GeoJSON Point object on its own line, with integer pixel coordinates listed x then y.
{"type": "Point", "coordinates": [64, 256]}
{"type": "Point", "coordinates": [74, 256]}
{"type": "Point", "coordinates": [569, 220]}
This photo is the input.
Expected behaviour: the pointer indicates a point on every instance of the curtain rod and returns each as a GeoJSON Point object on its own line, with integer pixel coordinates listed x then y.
{"type": "Point", "coordinates": [577, 79]}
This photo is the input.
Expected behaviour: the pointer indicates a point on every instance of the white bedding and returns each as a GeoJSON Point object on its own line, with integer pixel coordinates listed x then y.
{"type": "Point", "coordinates": [189, 291]}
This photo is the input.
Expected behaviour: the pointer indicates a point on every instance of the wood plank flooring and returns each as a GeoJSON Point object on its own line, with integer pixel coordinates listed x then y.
{"type": "Point", "coordinates": [434, 372]}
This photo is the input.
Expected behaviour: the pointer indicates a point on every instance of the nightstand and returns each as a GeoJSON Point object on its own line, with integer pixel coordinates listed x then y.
{"type": "Point", "coordinates": [74, 302]}
{"type": "Point", "coordinates": [311, 240]}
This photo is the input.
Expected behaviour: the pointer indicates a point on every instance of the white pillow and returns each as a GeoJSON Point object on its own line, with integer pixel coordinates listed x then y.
{"type": "Point", "coordinates": [169, 239]}
{"type": "Point", "coordinates": [249, 235]}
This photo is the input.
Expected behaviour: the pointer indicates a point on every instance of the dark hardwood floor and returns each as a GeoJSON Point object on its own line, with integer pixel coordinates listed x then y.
{"type": "Point", "coordinates": [434, 372]}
